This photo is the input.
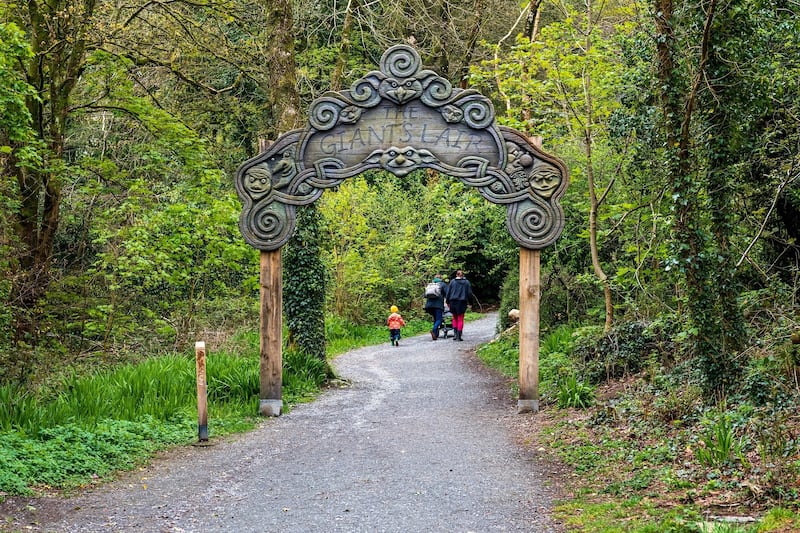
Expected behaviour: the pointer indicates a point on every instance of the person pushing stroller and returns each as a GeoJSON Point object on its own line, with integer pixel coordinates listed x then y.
{"type": "Point", "coordinates": [435, 292]}
{"type": "Point", "coordinates": [447, 322]}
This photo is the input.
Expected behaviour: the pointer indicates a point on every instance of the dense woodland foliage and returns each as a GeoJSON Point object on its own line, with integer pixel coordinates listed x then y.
{"type": "Point", "coordinates": [121, 126]}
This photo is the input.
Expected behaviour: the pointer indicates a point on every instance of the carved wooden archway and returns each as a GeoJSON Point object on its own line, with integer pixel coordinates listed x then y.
{"type": "Point", "coordinates": [401, 118]}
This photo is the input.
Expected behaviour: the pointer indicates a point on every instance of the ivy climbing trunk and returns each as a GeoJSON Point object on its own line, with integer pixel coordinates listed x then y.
{"type": "Point", "coordinates": [725, 150]}
{"type": "Point", "coordinates": [304, 285]}
{"type": "Point", "coordinates": [303, 273]}
{"type": "Point", "coordinates": [694, 252]}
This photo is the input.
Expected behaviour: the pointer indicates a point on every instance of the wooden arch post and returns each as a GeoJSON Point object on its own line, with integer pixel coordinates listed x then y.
{"type": "Point", "coordinates": [271, 333]}
{"type": "Point", "coordinates": [529, 297]}
{"type": "Point", "coordinates": [530, 292]}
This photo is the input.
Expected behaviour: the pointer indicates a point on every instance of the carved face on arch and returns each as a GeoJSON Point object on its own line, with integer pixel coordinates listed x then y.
{"type": "Point", "coordinates": [452, 114]}
{"type": "Point", "coordinates": [275, 172]}
{"type": "Point", "coordinates": [401, 161]}
{"type": "Point", "coordinates": [258, 180]}
{"type": "Point", "coordinates": [544, 180]}
{"type": "Point", "coordinates": [400, 91]}
{"type": "Point", "coordinates": [350, 115]}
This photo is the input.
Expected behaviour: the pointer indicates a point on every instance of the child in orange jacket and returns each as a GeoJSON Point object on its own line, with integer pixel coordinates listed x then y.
{"type": "Point", "coordinates": [395, 322]}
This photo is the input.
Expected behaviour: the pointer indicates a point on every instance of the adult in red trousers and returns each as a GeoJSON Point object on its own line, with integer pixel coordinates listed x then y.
{"type": "Point", "coordinates": [459, 293]}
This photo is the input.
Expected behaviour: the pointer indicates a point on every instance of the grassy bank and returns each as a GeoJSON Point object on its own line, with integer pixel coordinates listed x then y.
{"type": "Point", "coordinates": [646, 455]}
{"type": "Point", "coordinates": [87, 427]}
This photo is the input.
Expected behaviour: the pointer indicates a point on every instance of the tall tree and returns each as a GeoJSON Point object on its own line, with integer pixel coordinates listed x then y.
{"type": "Point", "coordinates": [92, 62]}
{"type": "Point", "coordinates": [304, 275]}
{"type": "Point", "coordinates": [564, 85]}
{"type": "Point", "coordinates": [60, 35]}
{"type": "Point", "coordinates": [16, 131]}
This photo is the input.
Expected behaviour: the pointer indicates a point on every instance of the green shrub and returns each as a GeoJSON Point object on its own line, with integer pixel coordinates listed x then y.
{"type": "Point", "coordinates": [502, 354]}
{"type": "Point", "coordinates": [303, 374]}
{"type": "Point", "coordinates": [677, 403]}
{"type": "Point", "coordinates": [561, 339]}
{"type": "Point", "coordinates": [772, 378]}
{"type": "Point", "coordinates": [780, 519]}
{"type": "Point", "coordinates": [69, 455]}
{"type": "Point", "coordinates": [623, 350]}
{"type": "Point", "coordinates": [719, 446]}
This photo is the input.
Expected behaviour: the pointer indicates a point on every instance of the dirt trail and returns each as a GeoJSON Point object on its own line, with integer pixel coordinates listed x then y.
{"type": "Point", "coordinates": [423, 439]}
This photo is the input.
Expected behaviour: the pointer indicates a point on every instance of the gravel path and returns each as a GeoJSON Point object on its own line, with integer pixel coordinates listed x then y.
{"type": "Point", "coordinates": [418, 442]}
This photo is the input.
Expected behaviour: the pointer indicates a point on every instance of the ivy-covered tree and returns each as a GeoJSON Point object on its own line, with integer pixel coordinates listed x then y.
{"type": "Point", "coordinates": [304, 282]}
{"type": "Point", "coordinates": [699, 253]}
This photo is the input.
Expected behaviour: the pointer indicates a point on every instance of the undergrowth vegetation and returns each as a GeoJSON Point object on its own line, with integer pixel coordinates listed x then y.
{"type": "Point", "coordinates": [88, 426]}
{"type": "Point", "coordinates": [647, 453]}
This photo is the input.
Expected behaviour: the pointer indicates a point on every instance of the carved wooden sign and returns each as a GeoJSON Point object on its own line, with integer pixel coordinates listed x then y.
{"type": "Point", "coordinates": [402, 118]}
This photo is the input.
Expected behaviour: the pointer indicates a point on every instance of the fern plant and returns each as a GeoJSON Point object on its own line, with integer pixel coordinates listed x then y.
{"type": "Point", "coordinates": [720, 445]}
{"type": "Point", "coordinates": [574, 393]}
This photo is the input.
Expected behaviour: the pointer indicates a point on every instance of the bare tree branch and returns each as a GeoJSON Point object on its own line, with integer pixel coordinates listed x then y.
{"type": "Point", "coordinates": [778, 192]}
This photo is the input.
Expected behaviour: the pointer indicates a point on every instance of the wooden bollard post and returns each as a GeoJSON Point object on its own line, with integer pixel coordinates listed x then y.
{"type": "Point", "coordinates": [202, 391]}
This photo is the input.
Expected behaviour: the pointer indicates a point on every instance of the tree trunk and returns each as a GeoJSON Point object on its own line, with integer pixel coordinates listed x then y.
{"type": "Point", "coordinates": [344, 47]}
{"type": "Point", "coordinates": [472, 41]}
{"type": "Point", "coordinates": [693, 254]}
{"type": "Point", "coordinates": [594, 206]}
{"type": "Point", "coordinates": [532, 20]}
{"type": "Point", "coordinates": [594, 202]}
{"type": "Point", "coordinates": [531, 31]}
{"type": "Point", "coordinates": [724, 153]}
{"type": "Point", "coordinates": [304, 288]}
{"type": "Point", "coordinates": [285, 100]}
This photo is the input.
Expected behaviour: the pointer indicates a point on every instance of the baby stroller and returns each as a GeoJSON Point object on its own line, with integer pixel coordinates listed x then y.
{"type": "Point", "coordinates": [447, 322]}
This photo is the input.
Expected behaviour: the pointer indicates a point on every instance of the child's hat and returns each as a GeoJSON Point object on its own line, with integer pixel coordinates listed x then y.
{"type": "Point", "coordinates": [393, 309]}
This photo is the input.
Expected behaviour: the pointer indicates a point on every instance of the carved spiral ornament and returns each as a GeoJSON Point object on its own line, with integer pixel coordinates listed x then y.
{"type": "Point", "coordinates": [364, 92]}
{"type": "Point", "coordinates": [533, 223]}
{"type": "Point", "coordinates": [270, 224]}
{"type": "Point", "coordinates": [438, 92]}
{"type": "Point", "coordinates": [478, 112]}
{"type": "Point", "coordinates": [400, 61]}
{"type": "Point", "coordinates": [324, 113]}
